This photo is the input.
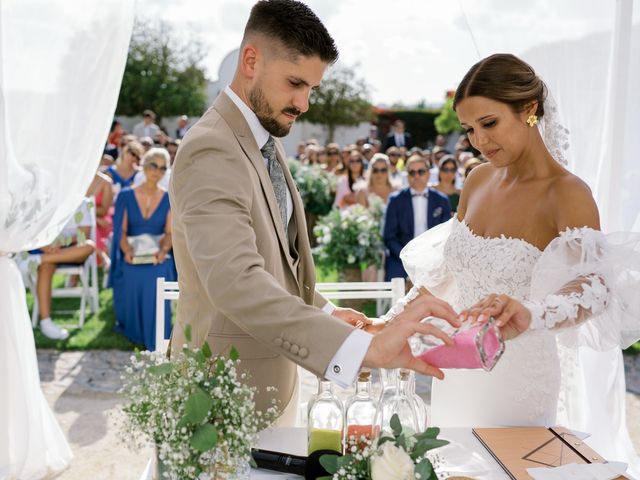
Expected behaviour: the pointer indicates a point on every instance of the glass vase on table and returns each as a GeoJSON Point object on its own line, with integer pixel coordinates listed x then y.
{"type": "Point", "coordinates": [360, 412]}
{"type": "Point", "coordinates": [398, 401]}
{"type": "Point", "coordinates": [325, 423]}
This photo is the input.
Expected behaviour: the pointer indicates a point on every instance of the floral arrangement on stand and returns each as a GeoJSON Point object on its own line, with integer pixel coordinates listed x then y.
{"type": "Point", "coordinates": [348, 238]}
{"type": "Point", "coordinates": [196, 410]}
{"type": "Point", "coordinates": [400, 455]}
{"type": "Point", "coordinates": [317, 188]}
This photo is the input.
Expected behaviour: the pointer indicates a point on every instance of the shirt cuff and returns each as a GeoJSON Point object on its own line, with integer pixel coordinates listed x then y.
{"type": "Point", "coordinates": [345, 364]}
{"type": "Point", "coordinates": [329, 308]}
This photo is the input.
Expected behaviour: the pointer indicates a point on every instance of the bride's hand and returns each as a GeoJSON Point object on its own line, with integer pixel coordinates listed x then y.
{"type": "Point", "coordinates": [352, 317]}
{"type": "Point", "coordinates": [511, 316]}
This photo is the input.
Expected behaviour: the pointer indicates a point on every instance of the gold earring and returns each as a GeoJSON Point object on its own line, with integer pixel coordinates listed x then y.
{"type": "Point", "coordinates": [532, 120]}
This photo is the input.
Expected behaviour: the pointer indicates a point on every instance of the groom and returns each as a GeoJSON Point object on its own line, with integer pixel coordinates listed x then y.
{"type": "Point", "coordinates": [244, 263]}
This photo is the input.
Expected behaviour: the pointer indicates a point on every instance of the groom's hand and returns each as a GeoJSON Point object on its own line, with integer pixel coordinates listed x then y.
{"type": "Point", "coordinates": [352, 317]}
{"type": "Point", "coordinates": [390, 347]}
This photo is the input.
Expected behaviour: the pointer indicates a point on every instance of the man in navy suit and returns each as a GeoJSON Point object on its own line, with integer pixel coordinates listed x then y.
{"type": "Point", "coordinates": [398, 138]}
{"type": "Point", "coordinates": [410, 212]}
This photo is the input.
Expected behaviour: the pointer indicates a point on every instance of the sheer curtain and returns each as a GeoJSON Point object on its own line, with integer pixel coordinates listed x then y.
{"type": "Point", "coordinates": [61, 65]}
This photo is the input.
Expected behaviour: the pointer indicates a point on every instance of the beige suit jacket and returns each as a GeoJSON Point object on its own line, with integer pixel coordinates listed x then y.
{"type": "Point", "coordinates": [239, 282]}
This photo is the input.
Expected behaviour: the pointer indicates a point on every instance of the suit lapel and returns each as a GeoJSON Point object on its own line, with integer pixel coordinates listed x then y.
{"type": "Point", "coordinates": [409, 200]}
{"type": "Point", "coordinates": [430, 207]}
{"type": "Point", "coordinates": [227, 109]}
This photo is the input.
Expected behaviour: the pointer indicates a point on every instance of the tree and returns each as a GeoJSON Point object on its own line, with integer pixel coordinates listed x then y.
{"type": "Point", "coordinates": [447, 122]}
{"type": "Point", "coordinates": [162, 73]}
{"type": "Point", "coordinates": [341, 99]}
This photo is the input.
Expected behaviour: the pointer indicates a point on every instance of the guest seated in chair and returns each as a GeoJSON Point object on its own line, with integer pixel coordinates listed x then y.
{"type": "Point", "coordinates": [411, 212]}
{"type": "Point", "coordinates": [141, 252]}
{"type": "Point", "coordinates": [72, 246]}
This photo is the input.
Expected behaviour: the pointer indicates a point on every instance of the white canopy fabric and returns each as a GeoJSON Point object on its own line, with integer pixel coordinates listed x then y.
{"type": "Point", "coordinates": [61, 65]}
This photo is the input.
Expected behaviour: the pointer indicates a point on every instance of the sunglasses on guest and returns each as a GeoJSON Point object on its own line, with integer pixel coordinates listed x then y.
{"type": "Point", "coordinates": [155, 166]}
{"type": "Point", "coordinates": [448, 170]}
{"type": "Point", "coordinates": [355, 160]}
{"type": "Point", "coordinates": [379, 170]}
{"type": "Point", "coordinates": [420, 172]}
{"type": "Point", "coordinates": [333, 152]}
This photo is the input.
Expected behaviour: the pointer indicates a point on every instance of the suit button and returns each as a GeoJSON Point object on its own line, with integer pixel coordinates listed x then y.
{"type": "Point", "coordinates": [278, 342]}
{"type": "Point", "coordinates": [294, 349]}
{"type": "Point", "coordinates": [286, 345]}
{"type": "Point", "coordinates": [303, 352]}
{"type": "Point", "coordinates": [337, 369]}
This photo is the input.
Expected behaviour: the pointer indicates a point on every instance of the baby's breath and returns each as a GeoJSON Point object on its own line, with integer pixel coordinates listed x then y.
{"type": "Point", "coordinates": [163, 406]}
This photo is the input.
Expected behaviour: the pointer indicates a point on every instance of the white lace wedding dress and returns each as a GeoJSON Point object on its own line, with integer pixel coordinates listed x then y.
{"type": "Point", "coordinates": [581, 291]}
{"type": "Point", "coordinates": [523, 387]}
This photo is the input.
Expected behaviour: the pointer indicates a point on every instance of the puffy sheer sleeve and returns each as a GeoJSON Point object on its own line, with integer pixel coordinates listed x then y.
{"type": "Point", "coordinates": [588, 280]}
{"type": "Point", "coordinates": [423, 259]}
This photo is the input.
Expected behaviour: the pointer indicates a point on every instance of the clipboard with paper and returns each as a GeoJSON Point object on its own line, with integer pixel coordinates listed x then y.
{"type": "Point", "coordinates": [518, 448]}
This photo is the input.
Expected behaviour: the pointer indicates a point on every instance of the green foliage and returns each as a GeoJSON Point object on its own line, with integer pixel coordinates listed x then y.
{"type": "Point", "coordinates": [447, 122]}
{"type": "Point", "coordinates": [316, 187]}
{"type": "Point", "coordinates": [162, 73]}
{"type": "Point", "coordinates": [348, 238]}
{"type": "Point", "coordinates": [204, 438]}
{"type": "Point", "coordinates": [197, 407]}
{"type": "Point", "coordinates": [341, 99]}
{"type": "Point", "coordinates": [359, 466]}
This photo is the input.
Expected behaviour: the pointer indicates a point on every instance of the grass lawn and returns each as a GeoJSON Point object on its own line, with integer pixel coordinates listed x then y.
{"type": "Point", "coordinates": [97, 332]}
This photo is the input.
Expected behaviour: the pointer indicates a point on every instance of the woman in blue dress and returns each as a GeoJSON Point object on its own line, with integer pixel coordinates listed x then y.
{"type": "Point", "coordinates": [126, 167]}
{"type": "Point", "coordinates": [141, 252]}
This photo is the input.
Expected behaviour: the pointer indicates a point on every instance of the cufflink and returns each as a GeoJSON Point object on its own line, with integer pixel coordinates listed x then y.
{"type": "Point", "coordinates": [303, 352]}
{"type": "Point", "coordinates": [277, 341]}
{"type": "Point", "coordinates": [337, 369]}
{"type": "Point", "coordinates": [294, 349]}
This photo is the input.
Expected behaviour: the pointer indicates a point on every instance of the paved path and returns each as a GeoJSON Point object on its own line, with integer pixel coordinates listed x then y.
{"type": "Point", "coordinates": [81, 387]}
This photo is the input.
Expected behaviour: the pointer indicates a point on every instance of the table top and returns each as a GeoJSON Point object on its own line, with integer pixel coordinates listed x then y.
{"type": "Point", "coordinates": [464, 456]}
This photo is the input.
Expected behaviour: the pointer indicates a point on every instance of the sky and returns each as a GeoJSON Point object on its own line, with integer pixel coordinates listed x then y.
{"type": "Point", "coordinates": [406, 50]}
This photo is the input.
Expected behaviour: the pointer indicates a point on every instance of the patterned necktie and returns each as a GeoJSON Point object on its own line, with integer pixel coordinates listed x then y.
{"type": "Point", "coordinates": [277, 178]}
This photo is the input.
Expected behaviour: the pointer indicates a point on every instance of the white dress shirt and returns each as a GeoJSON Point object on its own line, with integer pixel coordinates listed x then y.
{"type": "Point", "coordinates": [345, 364]}
{"type": "Point", "coordinates": [420, 202]}
{"type": "Point", "coordinates": [399, 139]}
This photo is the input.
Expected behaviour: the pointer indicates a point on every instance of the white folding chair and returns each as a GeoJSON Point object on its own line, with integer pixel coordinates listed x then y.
{"type": "Point", "coordinates": [393, 290]}
{"type": "Point", "coordinates": [164, 291]}
{"type": "Point", "coordinates": [87, 273]}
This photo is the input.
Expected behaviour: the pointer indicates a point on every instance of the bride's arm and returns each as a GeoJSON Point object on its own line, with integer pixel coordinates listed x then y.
{"type": "Point", "coordinates": [576, 300]}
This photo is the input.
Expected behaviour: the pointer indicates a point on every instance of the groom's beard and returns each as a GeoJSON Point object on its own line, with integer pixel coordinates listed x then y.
{"type": "Point", "coordinates": [260, 106]}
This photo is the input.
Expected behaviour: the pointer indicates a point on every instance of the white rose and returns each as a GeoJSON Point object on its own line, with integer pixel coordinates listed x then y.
{"type": "Point", "coordinates": [392, 464]}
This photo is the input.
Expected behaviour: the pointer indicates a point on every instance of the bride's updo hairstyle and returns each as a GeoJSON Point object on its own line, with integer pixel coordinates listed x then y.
{"type": "Point", "coordinates": [504, 78]}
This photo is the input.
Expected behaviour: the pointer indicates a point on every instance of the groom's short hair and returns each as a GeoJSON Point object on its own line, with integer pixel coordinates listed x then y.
{"type": "Point", "coordinates": [294, 26]}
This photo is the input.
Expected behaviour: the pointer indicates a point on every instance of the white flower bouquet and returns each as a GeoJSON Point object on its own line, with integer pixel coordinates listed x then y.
{"type": "Point", "coordinates": [196, 411]}
{"type": "Point", "coordinates": [348, 238]}
{"type": "Point", "coordinates": [401, 455]}
{"type": "Point", "coordinates": [317, 188]}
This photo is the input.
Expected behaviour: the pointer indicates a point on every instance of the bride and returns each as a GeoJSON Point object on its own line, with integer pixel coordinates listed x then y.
{"type": "Point", "coordinates": [525, 248]}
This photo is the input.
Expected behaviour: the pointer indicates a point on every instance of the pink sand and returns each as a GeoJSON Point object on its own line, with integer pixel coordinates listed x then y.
{"type": "Point", "coordinates": [464, 353]}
